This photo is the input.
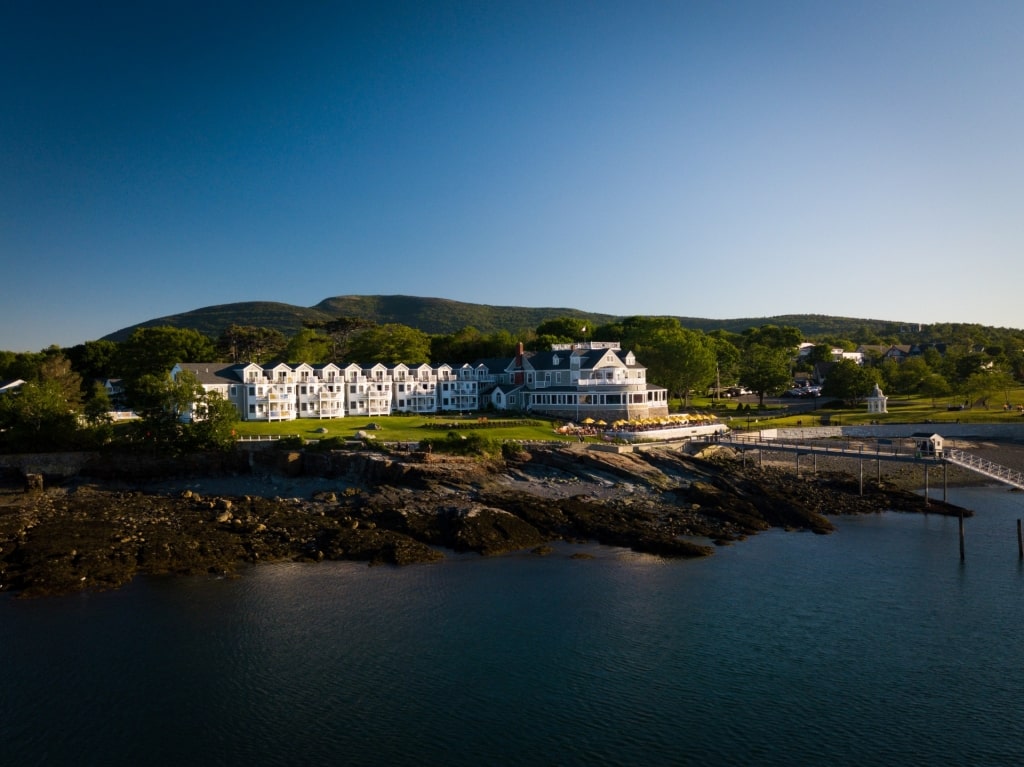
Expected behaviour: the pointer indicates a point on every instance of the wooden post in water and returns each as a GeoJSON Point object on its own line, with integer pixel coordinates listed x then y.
{"type": "Point", "coordinates": [1020, 542]}
{"type": "Point", "coordinates": [945, 485]}
{"type": "Point", "coordinates": [862, 476]}
{"type": "Point", "coordinates": [961, 535]}
{"type": "Point", "coordinates": [814, 463]}
{"type": "Point", "coordinates": [926, 485]}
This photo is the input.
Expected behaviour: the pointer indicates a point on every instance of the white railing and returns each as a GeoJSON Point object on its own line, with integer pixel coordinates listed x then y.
{"type": "Point", "coordinates": [986, 467]}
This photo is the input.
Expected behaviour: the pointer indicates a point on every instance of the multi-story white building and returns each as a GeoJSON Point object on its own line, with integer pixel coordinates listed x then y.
{"type": "Point", "coordinates": [574, 381]}
{"type": "Point", "coordinates": [585, 380]}
{"type": "Point", "coordinates": [415, 388]}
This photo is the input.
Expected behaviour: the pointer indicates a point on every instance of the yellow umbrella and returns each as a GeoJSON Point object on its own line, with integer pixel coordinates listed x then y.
{"type": "Point", "coordinates": [588, 421]}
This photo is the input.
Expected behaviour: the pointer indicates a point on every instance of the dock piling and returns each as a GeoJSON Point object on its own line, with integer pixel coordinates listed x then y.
{"type": "Point", "coordinates": [961, 535]}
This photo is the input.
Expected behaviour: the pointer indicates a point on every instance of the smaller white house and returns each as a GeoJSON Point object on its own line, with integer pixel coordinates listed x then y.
{"type": "Point", "coordinates": [926, 444]}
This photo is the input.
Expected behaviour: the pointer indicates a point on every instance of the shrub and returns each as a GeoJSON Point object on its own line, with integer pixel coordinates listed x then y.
{"type": "Point", "coordinates": [461, 444]}
{"type": "Point", "coordinates": [512, 449]}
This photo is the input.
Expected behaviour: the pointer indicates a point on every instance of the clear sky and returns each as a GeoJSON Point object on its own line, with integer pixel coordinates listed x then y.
{"type": "Point", "coordinates": [703, 159]}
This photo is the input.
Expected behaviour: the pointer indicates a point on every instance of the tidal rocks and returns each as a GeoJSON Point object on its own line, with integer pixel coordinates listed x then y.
{"type": "Point", "coordinates": [405, 509]}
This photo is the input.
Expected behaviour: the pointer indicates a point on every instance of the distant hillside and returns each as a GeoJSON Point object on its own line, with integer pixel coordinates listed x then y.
{"type": "Point", "coordinates": [431, 315]}
{"type": "Point", "coordinates": [810, 325]}
{"type": "Point", "coordinates": [440, 315]}
{"type": "Point", "coordinates": [212, 320]}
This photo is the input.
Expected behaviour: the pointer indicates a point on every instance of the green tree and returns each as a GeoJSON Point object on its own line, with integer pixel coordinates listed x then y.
{"type": "Point", "coordinates": [163, 404]}
{"type": "Point", "coordinates": [565, 329]}
{"type": "Point", "coordinates": [980, 386]}
{"type": "Point", "coordinates": [93, 360]}
{"type": "Point", "coordinates": [248, 343]}
{"type": "Point", "coordinates": [934, 385]}
{"type": "Point", "coordinates": [774, 337]}
{"type": "Point", "coordinates": [38, 418]}
{"type": "Point", "coordinates": [680, 360]}
{"type": "Point", "coordinates": [177, 415]}
{"type": "Point", "coordinates": [391, 344]}
{"type": "Point", "coordinates": [967, 365]}
{"type": "Point", "coordinates": [154, 351]}
{"type": "Point", "coordinates": [765, 369]}
{"type": "Point", "coordinates": [308, 346]}
{"type": "Point", "coordinates": [469, 345]}
{"type": "Point", "coordinates": [819, 353]}
{"type": "Point", "coordinates": [341, 331]}
{"type": "Point", "coordinates": [905, 377]}
{"type": "Point", "coordinates": [98, 405]}
{"type": "Point", "coordinates": [23, 365]}
{"type": "Point", "coordinates": [642, 332]}
{"type": "Point", "coordinates": [849, 382]}
{"type": "Point", "coordinates": [213, 422]}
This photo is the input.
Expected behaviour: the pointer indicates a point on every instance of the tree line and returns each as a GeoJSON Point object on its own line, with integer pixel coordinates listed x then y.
{"type": "Point", "coordinates": [64, 403]}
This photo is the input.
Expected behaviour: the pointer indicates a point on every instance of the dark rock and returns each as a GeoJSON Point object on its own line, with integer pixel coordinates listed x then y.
{"type": "Point", "coordinates": [405, 509]}
{"type": "Point", "coordinates": [33, 483]}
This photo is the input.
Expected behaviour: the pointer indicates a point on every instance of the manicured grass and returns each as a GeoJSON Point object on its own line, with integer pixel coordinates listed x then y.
{"type": "Point", "coordinates": [409, 428]}
{"type": "Point", "coordinates": [405, 428]}
{"type": "Point", "coordinates": [901, 410]}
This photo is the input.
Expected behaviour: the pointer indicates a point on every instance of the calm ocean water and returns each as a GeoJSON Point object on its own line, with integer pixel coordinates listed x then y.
{"type": "Point", "coordinates": [871, 646]}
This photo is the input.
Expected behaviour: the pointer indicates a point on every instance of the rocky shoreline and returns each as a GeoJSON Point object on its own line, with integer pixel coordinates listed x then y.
{"type": "Point", "coordinates": [118, 517]}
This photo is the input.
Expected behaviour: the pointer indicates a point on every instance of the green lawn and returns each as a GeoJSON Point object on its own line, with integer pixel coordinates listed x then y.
{"type": "Point", "coordinates": [409, 428]}
{"type": "Point", "coordinates": [405, 428]}
{"type": "Point", "coordinates": [901, 410]}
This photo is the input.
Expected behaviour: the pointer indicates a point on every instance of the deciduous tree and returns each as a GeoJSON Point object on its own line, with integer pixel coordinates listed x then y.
{"type": "Point", "coordinates": [680, 360]}
{"type": "Point", "coordinates": [248, 343]}
{"type": "Point", "coordinates": [391, 344]}
{"type": "Point", "coordinates": [849, 382]}
{"type": "Point", "coordinates": [765, 369]}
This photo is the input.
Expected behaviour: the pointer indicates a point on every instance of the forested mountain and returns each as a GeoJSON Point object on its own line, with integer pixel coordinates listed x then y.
{"type": "Point", "coordinates": [431, 315]}
{"type": "Point", "coordinates": [443, 316]}
{"type": "Point", "coordinates": [212, 320]}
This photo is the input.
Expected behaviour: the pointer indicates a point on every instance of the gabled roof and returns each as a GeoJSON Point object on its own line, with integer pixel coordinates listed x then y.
{"type": "Point", "coordinates": [507, 389]}
{"type": "Point", "coordinates": [547, 360]}
{"type": "Point", "coordinates": [495, 364]}
{"type": "Point", "coordinates": [210, 373]}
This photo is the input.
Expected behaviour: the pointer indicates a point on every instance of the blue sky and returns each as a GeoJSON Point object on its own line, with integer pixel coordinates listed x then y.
{"type": "Point", "coordinates": [701, 159]}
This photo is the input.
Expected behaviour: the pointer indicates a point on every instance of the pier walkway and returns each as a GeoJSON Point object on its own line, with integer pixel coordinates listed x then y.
{"type": "Point", "coordinates": [985, 467]}
{"type": "Point", "coordinates": [883, 450]}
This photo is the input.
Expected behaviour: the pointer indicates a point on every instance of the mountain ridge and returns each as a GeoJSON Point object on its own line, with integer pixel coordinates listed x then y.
{"type": "Point", "coordinates": [444, 316]}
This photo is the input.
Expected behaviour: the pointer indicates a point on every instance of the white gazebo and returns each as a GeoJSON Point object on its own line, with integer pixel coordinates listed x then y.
{"type": "Point", "coordinates": [877, 400]}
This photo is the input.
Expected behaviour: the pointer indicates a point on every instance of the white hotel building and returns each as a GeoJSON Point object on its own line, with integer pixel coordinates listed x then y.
{"type": "Point", "coordinates": [573, 381]}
